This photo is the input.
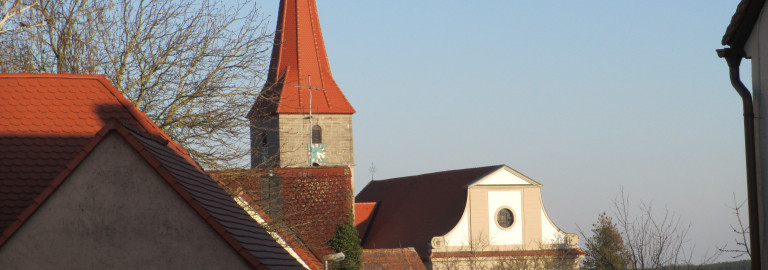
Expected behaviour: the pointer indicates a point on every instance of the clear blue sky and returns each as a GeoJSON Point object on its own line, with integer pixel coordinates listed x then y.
{"type": "Point", "coordinates": [585, 97]}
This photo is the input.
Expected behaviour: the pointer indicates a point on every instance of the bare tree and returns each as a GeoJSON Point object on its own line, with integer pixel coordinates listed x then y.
{"type": "Point", "coordinates": [193, 67]}
{"type": "Point", "coordinates": [742, 233]}
{"type": "Point", "coordinates": [10, 11]}
{"type": "Point", "coordinates": [654, 241]}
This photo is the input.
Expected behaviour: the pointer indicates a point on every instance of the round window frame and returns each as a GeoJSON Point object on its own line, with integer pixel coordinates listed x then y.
{"type": "Point", "coordinates": [496, 218]}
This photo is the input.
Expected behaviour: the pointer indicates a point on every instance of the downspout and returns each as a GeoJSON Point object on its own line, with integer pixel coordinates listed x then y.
{"type": "Point", "coordinates": [733, 57]}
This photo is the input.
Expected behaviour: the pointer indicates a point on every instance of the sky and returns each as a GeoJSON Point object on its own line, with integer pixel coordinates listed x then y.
{"type": "Point", "coordinates": [588, 98]}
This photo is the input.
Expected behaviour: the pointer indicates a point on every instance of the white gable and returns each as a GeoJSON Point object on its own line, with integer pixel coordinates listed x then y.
{"type": "Point", "coordinates": [459, 236]}
{"type": "Point", "coordinates": [505, 176]}
{"type": "Point", "coordinates": [550, 234]}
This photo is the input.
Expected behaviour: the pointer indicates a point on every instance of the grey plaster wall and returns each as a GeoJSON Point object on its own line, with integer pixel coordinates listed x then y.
{"type": "Point", "coordinates": [756, 49]}
{"type": "Point", "coordinates": [115, 212]}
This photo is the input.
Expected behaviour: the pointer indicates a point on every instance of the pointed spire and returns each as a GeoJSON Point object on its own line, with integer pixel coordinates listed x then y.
{"type": "Point", "coordinates": [299, 56]}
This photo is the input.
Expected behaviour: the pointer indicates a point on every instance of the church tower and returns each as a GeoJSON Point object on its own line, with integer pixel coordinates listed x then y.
{"type": "Point", "coordinates": [301, 118]}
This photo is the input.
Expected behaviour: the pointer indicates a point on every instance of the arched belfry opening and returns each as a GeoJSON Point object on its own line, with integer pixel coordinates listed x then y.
{"type": "Point", "coordinates": [317, 134]}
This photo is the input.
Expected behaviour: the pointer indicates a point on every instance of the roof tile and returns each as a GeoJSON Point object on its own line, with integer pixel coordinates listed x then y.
{"type": "Point", "coordinates": [298, 57]}
{"type": "Point", "coordinates": [742, 22]}
{"type": "Point", "coordinates": [397, 258]}
{"type": "Point", "coordinates": [320, 199]}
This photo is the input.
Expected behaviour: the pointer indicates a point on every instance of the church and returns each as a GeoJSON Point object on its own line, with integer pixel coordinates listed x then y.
{"type": "Point", "coordinates": [488, 217]}
{"type": "Point", "coordinates": [302, 172]}
{"type": "Point", "coordinates": [301, 137]}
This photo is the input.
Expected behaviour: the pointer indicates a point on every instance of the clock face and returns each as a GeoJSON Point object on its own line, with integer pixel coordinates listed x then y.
{"type": "Point", "coordinates": [317, 153]}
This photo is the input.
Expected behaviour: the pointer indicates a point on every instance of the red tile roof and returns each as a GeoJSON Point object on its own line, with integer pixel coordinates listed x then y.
{"type": "Point", "coordinates": [742, 22]}
{"type": "Point", "coordinates": [298, 56]}
{"type": "Point", "coordinates": [47, 119]}
{"type": "Point", "coordinates": [314, 200]}
{"type": "Point", "coordinates": [398, 258]}
{"type": "Point", "coordinates": [411, 210]}
{"type": "Point", "coordinates": [364, 214]}
{"type": "Point", "coordinates": [56, 120]}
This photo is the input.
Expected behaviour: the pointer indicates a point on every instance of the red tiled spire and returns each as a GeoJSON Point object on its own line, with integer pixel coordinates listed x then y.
{"type": "Point", "coordinates": [298, 55]}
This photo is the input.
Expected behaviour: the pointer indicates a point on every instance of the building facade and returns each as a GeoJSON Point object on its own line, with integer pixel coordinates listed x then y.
{"type": "Point", "coordinates": [487, 217]}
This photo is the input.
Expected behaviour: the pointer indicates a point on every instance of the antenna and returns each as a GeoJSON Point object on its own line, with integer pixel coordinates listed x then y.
{"type": "Point", "coordinates": [309, 88]}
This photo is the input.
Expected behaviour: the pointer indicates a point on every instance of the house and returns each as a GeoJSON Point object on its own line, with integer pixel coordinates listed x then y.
{"type": "Point", "coordinates": [747, 37]}
{"type": "Point", "coordinates": [89, 182]}
{"type": "Point", "coordinates": [455, 218]}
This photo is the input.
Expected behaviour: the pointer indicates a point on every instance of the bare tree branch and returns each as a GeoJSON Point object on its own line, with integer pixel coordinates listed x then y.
{"type": "Point", "coordinates": [11, 10]}
{"type": "Point", "coordinates": [741, 231]}
{"type": "Point", "coordinates": [193, 66]}
{"type": "Point", "coordinates": [653, 240]}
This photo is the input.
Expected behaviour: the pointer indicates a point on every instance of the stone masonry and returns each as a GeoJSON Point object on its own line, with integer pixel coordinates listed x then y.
{"type": "Point", "coordinates": [287, 137]}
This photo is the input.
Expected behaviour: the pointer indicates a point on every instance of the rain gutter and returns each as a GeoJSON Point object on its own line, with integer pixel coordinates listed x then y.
{"type": "Point", "coordinates": [733, 57]}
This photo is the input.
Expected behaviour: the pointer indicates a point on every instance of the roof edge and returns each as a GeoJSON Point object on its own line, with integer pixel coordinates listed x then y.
{"type": "Point", "coordinates": [371, 218]}
{"type": "Point", "coordinates": [128, 135]}
{"type": "Point", "coordinates": [510, 170]}
{"type": "Point", "coordinates": [742, 23]}
{"type": "Point", "coordinates": [286, 233]}
{"type": "Point", "coordinates": [492, 168]}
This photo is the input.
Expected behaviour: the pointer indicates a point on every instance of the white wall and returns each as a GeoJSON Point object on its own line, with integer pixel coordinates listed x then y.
{"type": "Point", "coordinates": [505, 199]}
{"type": "Point", "coordinates": [757, 50]}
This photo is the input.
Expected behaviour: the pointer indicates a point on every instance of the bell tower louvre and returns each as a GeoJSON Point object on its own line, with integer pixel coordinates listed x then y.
{"type": "Point", "coordinates": [301, 118]}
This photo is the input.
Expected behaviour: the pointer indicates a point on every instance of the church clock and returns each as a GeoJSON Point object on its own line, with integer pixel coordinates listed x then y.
{"type": "Point", "coordinates": [317, 153]}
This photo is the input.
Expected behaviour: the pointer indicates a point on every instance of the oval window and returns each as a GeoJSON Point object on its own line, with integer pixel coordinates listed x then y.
{"type": "Point", "coordinates": [505, 218]}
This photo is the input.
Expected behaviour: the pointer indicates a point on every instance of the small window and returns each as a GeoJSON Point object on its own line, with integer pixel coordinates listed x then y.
{"type": "Point", "coordinates": [505, 218]}
{"type": "Point", "coordinates": [317, 134]}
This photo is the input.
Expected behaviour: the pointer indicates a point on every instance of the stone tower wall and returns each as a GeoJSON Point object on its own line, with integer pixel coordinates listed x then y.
{"type": "Point", "coordinates": [336, 135]}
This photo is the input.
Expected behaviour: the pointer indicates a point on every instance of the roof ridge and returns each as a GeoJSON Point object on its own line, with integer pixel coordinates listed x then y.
{"type": "Point", "coordinates": [143, 120]}
{"type": "Point", "coordinates": [52, 75]}
{"type": "Point", "coordinates": [491, 167]}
